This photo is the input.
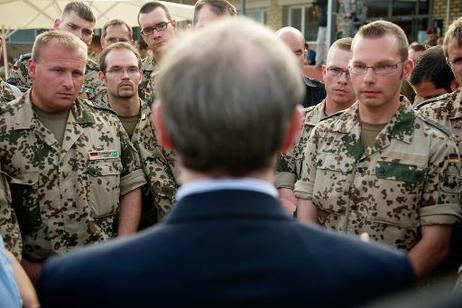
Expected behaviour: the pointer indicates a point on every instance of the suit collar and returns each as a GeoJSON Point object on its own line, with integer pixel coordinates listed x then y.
{"type": "Point", "coordinates": [227, 204]}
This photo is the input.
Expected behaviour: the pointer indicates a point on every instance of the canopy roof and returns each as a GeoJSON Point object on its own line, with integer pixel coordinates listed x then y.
{"type": "Point", "coordinates": [32, 14]}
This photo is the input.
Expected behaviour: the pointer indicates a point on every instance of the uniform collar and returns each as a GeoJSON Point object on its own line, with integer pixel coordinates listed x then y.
{"type": "Point", "coordinates": [24, 116]}
{"type": "Point", "coordinates": [400, 127]}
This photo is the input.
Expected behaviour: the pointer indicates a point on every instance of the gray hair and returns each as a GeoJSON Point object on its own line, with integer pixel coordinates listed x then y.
{"type": "Point", "coordinates": [239, 88]}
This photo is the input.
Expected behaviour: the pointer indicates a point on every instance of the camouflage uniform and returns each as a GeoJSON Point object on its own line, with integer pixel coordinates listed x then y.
{"type": "Point", "coordinates": [289, 164]}
{"type": "Point", "coordinates": [6, 94]}
{"type": "Point", "coordinates": [19, 76]}
{"type": "Point", "coordinates": [409, 178]}
{"type": "Point", "coordinates": [9, 228]}
{"type": "Point", "coordinates": [66, 195]}
{"type": "Point", "coordinates": [146, 89]}
{"type": "Point", "coordinates": [446, 110]}
{"type": "Point", "coordinates": [158, 165]}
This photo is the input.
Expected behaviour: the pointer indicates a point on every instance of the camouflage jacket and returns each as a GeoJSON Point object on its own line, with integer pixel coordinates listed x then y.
{"type": "Point", "coordinates": [158, 164]}
{"type": "Point", "coordinates": [146, 90]}
{"type": "Point", "coordinates": [6, 94]}
{"type": "Point", "coordinates": [289, 165]}
{"type": "Point", "coordinates": [447, 111]}
{"type": "Point", "coordinates": [66, 195]}
{"type": "Point", "coordinates": [9, 228]}
{"type": "Point", "coordinates": [19, 76]}
{"type": "Point", "coordinates": [409, 178]}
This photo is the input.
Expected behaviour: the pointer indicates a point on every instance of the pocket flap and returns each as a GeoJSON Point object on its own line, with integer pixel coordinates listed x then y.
{"type": "Point", "coordinates": [330, 161]}
{"type": "Point", "coordinates": [400, 172]}
{"type": "Point", "coordinates": [27, 178]}
{"type": "Point", "coordinates": [102, 168]}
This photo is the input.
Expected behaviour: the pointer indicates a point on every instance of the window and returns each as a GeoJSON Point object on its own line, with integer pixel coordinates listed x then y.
{"type": "Point", "coordinates": [257, 15]}
{"type": "Point", "coordinates": [304, 19]}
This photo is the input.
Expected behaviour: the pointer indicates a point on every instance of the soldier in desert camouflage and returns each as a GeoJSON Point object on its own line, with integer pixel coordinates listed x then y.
{"type": "Point", "coordinates": [79, 20]}
{"type": "Point", "coordinates": [158, 28]}
{"type": "Point", "coordinates": [71, 168]}
{"type": "Point", "coordinates": [380, 167]}
{"type": "Point", "coordinates": [339, 97]}
{"type": "Point", "coordinates": [120, 71]}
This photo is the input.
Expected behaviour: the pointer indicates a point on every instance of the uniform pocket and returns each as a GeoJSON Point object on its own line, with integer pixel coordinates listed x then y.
{"type": "Point", "coordinates": [333, 180]}
{"type": "Point", "coordinates": [104, 177]}
{"type": "Point", "coordinates": [25, 201]}
{"type": "Point", "coordinates": [401, 188]}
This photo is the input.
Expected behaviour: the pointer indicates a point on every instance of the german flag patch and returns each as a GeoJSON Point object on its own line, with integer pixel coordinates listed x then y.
{"type": "Point", "coordinates": [453, 158]}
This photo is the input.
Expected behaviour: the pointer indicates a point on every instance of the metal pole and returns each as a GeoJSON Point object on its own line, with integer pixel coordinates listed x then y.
{"type": "Point", "coordinates": [5, 54]}
{"type": "Point", "coordinates": [448, 4]}
{"type": "Point", "coordinates": [243, 7]}
{"type": "Point", "coordinates": [331, 22]}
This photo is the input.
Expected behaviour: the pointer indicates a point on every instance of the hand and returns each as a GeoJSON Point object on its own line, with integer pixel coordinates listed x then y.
{"type": "Point", "coordinates": [288, 200]}
{"type": "Point", "coordinates": [32, 269]}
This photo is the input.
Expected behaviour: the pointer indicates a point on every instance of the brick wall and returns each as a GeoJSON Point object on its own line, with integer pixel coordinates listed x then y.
{"type": "Point", "coordinates": [439, 11]}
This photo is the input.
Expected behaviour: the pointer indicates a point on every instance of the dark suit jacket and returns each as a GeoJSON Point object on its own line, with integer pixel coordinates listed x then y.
{"type": "Point", "coordinates": [225, 248]}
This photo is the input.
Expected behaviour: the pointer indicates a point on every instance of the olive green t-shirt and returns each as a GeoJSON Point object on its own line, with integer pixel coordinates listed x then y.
{"type": "Point", "coordinates": [55, 122]}
{"type": "Point", "coordinates": [129, 123]}
{"type": "Point", "coordinates": [369, 132]}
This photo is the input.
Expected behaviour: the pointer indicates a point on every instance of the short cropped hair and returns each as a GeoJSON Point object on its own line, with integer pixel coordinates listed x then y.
{"type": "Point", "coordinates": [343, 43]}
{"type": "Point", "coordinates": [116, 22]}
{"type": "Point", "coordinates": [239, 88]}
{"type": "Point", "coordinates": [81, 9]}
{"type": "Point", "coordinates": [118, 46]}
{"type": "Point", "coordinates": [417, 46]}
{"type": "Point", "coordinates": [454, 32]}
{"type": "Point", "coordinates": [219, 7]}
{"type": "Point", "coordinates": [148, 7]}
{"type": "Point", "coordinates": [433, 67]}
{"type": "Point", "coordinates": [63, 38]}
{"type": "Point", "coordinates": [380, 28]}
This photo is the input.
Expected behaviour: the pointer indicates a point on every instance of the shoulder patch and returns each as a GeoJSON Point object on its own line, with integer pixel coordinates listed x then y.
{"type": "Point", "coordinates": [434, 124]}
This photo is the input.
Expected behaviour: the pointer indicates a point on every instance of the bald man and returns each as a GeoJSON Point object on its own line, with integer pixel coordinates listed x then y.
{"type": "Point", "coordinates": [293, 38]}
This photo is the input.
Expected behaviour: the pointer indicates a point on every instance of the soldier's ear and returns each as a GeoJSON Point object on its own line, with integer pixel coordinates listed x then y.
{"type": "Point", "coordinates": [31, 67]}
{"type": "Point", "coordinates": [161, 131]}
{"type": "Point", "coordinates": [292, 131]}
{"type": "Point", "coordinates": [102, 77]}
{"type": "Point", "coordinates": [57, 23]}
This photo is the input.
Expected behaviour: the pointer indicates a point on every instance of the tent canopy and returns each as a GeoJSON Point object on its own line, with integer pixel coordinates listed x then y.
{"type": "Point", "coordinates": [36, 14]}
{"type": "Point", "coordinates": [32, 14]}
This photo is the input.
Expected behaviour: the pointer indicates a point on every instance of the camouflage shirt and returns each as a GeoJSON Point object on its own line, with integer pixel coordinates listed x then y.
{"type": "Point", "coordinates": [146, 90]}
{"type": "Point", "coordinates": [9, 228]}
{"type": "Point", "coordinates": [66, 195]}
{"type": "Point", "coordinates": [289, 165]}
{"type": "Point", "coordinates": [19, 76]}
{"type": "Point", "coordinates": [409, 178]}
{"type": "Point", "coordinates": [447, 111]}
{"type": "Point", "coordinates": [6, 94]}
{"type": "Point", "coordinates": [158, 164]}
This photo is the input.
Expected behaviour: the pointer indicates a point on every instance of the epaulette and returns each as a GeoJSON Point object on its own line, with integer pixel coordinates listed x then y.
{"type": "Point", "coordinates": [434, 124]}
{"type": "Point", "coordinates": [433, 99]}
{"type": "Point", "coordinates": [335, 114]}
{"type": "Point", "coordinates": [92, 65]}
{"type": "Point", "coordinates": [99, 106]}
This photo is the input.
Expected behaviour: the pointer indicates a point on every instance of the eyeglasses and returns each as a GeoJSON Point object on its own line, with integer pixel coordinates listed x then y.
{"type": "Point", "coordinates": [455, 62]}
{"type": "Point", "coordinates": [337, 72]}
{"type": "Point", "coordinates": [160, 27]}
{"type": "Point", "coordinates": [119, 71]}
{"type": "Point", "coordinates": [381, 69]}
